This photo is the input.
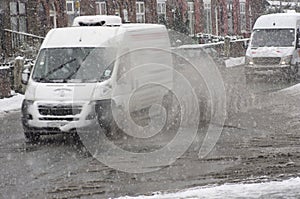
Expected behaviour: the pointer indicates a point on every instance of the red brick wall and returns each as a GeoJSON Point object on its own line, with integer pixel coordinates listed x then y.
{"type": "Point", "coordinates": [236, 17]}
{"type": "Point", "coordinates": [255, 5]}
{"type": "Point", "coordinates": [199, 16]}
{"type": "Point", "coordinates": [40, 24]}
{"type": "Point", "coordinates": [151, 11]}
{"type": "Point", "coordinates": [87, 7]}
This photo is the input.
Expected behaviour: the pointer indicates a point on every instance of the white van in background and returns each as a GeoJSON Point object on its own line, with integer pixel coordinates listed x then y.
{"type": "Point", "coordinates": [274, 47]}
{"type": "Point", "coordinates": [82, 71]}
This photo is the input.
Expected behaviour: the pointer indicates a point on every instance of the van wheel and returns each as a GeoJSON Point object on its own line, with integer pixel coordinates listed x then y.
{"type": "Point", "coordinates": [171, 104]}
{"type": "Point", "coordinates": [290, 75]}
{"type": "Point", "coordinates": [31, 136]}
{"type": "Point", "coordinates": [113, 132]}
{"type": "Point", "coordinates": [295, 71]}
{"type": "Point", "coordinates": [106, 120]}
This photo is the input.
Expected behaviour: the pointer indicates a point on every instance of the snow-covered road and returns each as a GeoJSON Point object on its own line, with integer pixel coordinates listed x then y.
{"type": "Point", "coordinates": [59, 169]}
{"type": "Point", "coordinates": [274, 189]}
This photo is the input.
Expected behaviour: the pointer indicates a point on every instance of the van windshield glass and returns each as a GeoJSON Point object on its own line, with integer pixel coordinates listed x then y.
{"type": "Point", "coordinates": [273, 37]}
{"type": "Point", "coordinates": [73, 64]}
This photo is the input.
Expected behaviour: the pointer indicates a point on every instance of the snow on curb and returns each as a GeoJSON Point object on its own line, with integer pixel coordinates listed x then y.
{"type": "Point", "coordinates": [11, 103]}
{"type": "Point", "coordinates": [293, 90]}
{"type": "Point", "coordinates": [273, 189]}
{"type": "Point", "coordinates": [232, 62]}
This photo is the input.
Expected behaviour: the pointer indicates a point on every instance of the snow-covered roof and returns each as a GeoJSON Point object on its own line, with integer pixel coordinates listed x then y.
{"type": "Point", "coordinates": [97, 20]}
{"type": "Point", "coordinates": [278, 20]}
{"type": "Point", "coordinates": [91, 36]}
{"type": "Point", "coordinates": [79, 37]}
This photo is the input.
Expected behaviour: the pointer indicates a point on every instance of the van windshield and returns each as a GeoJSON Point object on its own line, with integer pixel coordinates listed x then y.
{"type": "Point", "coordinates": [273, 37]}
{"type": "Point", "coordinates": [73, 65]}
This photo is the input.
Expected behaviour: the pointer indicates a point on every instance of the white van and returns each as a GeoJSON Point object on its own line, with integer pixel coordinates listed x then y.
{"type": "Point", "coordinates": [80, 72]}
{"type": "Point", "coordinates": [274, 46]}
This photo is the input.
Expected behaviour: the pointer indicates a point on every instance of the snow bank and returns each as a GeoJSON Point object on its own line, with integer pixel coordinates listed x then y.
{"type": "Point", "coordinates": [291, 90]}
{"type": "Point", "coordinates": [11, 103]}
{"type": "Point", "coordinates": [238, 61]}
{"type": "Point", "coordinates": [274, 189]}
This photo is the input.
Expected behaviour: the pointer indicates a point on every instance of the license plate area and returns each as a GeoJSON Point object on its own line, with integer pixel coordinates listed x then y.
{"type": "Point", "coordinates": [56, 124]}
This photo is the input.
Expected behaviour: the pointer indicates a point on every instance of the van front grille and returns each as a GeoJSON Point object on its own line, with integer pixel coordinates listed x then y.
{"type": "Point", "coordinates": [69, 119]}
{"type": "Point", "coordinates": [59, 110]}
{"type": "Point", "coordinates": [266, 60]}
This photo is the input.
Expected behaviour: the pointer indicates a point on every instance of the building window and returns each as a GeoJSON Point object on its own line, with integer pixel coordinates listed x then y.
{"type": "Point", "coordinates": [242, 8]}
{"type": "Point", "coordinates": [161, 10]}
{"type": "Point", "coordinates": [70, 7]}
{"type": "Point", "coordinates": [53, 16]}
{"type": "Point", "coordinates": [18, 16]}
{"type": "Point", "coordinates": [140, 12]}
{"type": "Point", "coordinates": [208, 18]}
{"type": "Point", "coordinates": [230, 17]}
{"type": "Point", "coordinates": [191, 17]}
{"type": "Point", "coordinates": [18, 22]}
{"type": "Point", "coordinates": [250, 18]}
{"type": "Point", "coordinates": [125, 14]}
{"type": "Point", "coordinates": [243, 16]}
{"type": "Point", "coordinates": [101, 8]}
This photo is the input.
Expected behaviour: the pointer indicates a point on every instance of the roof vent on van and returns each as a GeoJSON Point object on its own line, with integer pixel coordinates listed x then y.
{"type": "Point", "coordinates": [82, 23]}
{"type": "Point", "coordinates": [97, 20]}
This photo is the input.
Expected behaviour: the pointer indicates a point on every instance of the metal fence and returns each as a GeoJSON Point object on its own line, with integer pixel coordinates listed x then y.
{"type": "Point", "coordinates": [6, 79]}
{"type": "Point", "coordinates": [20, 44]}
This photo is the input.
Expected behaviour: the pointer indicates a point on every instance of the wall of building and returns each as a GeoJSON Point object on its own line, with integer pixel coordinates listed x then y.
{"type": "Point", "coordinates": [221, 17]}
{"type": "Point", "coordinates": [235, 17]}
{"type": "Point", "coordinates": [1, 30]}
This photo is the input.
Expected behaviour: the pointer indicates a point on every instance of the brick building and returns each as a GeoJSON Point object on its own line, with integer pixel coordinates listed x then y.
{"type": "Point", "coordinates": [219, 17]}
{"type": "Point", "coordinates": [234, 17]}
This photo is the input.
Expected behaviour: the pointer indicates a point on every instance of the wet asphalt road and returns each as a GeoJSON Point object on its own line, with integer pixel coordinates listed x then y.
{"type": "Point", "coordinates": [260, 140]}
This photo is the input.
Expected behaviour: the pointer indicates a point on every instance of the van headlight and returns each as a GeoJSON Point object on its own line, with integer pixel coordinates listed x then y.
{"type": "Point", "coordinates": [25, 106]}
{"type": "Point", "coordinates": [26, 103]}
{"type": "Point", "coordinates": [102, 90]}
{"type": "Point", "coordinates": [249, 60]}
{"type": "Point", "coordinates": [286, 60]}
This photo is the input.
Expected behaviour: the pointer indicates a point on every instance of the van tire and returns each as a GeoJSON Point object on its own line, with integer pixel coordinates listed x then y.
{"type": "Point", "coordinates": [112, 131]}
{"type": "Point", "coordinates": [31, 136]}
{"type": "Point", "coordinates": [290, 75]}
{"type": "Point", "coordinates": [106, 120]}
{"type": "Point", "coordinates": [171, 104]}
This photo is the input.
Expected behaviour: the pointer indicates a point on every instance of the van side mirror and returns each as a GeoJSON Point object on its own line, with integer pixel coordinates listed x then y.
{"type": "Point", "coordinates": [298, 43]}
{"type": "Point", "coordinates": [25, 76]}
{"type": "Point", "coordinates": [246, 44]}
{"type": "Point", "coordinates": [298, 40]}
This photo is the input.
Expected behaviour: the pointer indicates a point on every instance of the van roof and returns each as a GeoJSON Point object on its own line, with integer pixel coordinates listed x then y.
{"type": "Point", "coordinates": [97, 20]}
{"type": "Point", "coordinates": [91, 36]}
{"type": "Point", "coordinates": [79, 37]}
{"type": "Point", "coordinates": [278, 20]}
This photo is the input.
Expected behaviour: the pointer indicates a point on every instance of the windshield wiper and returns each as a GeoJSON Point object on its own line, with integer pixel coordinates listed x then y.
{"type": "Point", "coordinates": [46, 80]}
{"type": "Point", "coordinates": [41, 79]}
{"type": "Point", "coordinates": [78, 67]}
{"type": "Point", "coordinates": [45, 77]}
{"type": "Point", "coordinates": [81, 80]}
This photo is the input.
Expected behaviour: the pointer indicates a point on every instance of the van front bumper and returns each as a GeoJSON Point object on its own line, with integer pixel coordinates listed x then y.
{"type": "Point", "coordinates": [53, 117]}
{"type": "Point", "coordinates": [267, 70]}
